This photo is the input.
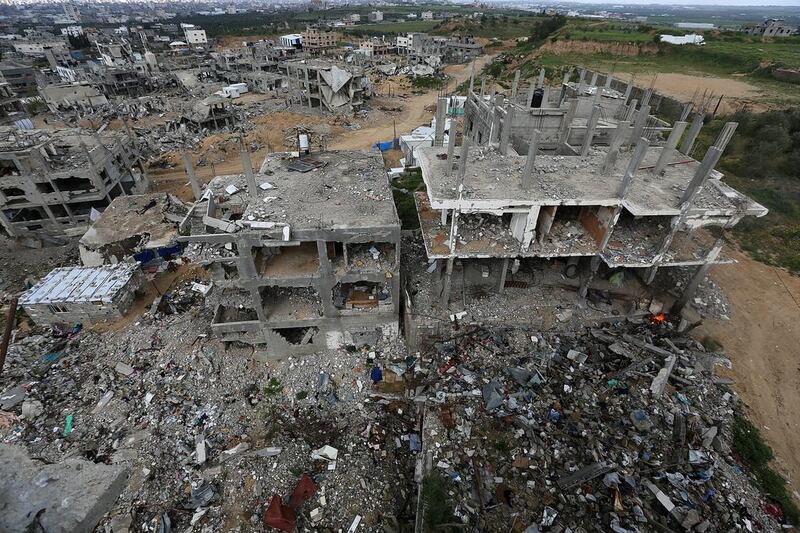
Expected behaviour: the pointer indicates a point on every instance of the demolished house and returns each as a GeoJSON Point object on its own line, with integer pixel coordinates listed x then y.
{"type": "Point", "coordinates": [67, 96]}
{"type": "Point", "coordinates": [513, 198]}
{"type": "Point", "coordinates": [143, 227]}
{"type": "Point", "coordinates": [304, 255]}
{"type": "Point", "coordinates": [319, 83]}
{"type": "Point", "coordinates": [52, 180]}
{"type": "Point", "coordinates": [211, 113]}
{"type": "Point", "coordinates": [77, 295]}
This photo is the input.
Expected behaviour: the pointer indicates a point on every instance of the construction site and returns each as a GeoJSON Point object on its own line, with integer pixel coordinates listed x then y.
{"type": "Point", "coordinates": [219, 316]}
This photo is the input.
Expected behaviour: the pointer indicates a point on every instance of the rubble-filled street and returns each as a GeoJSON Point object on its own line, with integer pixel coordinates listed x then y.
{"type": "Point", "coordinates": [623, 427]}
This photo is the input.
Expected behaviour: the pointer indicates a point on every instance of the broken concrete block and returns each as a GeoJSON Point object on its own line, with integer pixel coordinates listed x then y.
{"type": "Point", "coordinates": [32, 408]}
{"type": "Point", "coordinates": [71, 496]}
{"type": "Point", "coordinates": [124, 369]}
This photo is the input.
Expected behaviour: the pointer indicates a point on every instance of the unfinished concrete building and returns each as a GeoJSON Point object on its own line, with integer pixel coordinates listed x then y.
{"type": "Point", "coordinates": [318, 83]}
{"type": "Point", "coordinates": [513, 196]}
{"type": "Point", "coordinates": [50, 181]}
{"type": "Point", "coordinates": [561, 114]}
{"type": "Point", "coordinates": [304, 254]}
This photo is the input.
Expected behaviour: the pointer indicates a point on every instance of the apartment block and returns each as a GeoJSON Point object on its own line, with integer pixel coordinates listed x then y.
{"type": "Point", "coordinates": [51, 180]}
{"type": "Point", "coordinates": [304, 254]}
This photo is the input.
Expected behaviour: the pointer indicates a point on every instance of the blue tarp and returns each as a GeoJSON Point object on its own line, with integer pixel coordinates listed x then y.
{"type": "Point", "coordinates": [146, 256]}
{"type": "Point", "coordinates": [383, 146]}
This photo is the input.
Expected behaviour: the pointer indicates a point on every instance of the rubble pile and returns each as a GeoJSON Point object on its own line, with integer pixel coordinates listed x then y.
{"type": "Point", "coordinates": [208, 435]}
{"type": "Point", "coordinates": [622, 429]}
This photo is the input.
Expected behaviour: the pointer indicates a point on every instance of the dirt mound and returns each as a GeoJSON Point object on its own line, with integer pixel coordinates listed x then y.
{"type": "Point", "coordinates": [596, 47]}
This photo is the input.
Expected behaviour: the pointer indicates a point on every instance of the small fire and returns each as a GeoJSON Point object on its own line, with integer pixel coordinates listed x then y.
{"type": "Point", "coordinates": [657, 319]}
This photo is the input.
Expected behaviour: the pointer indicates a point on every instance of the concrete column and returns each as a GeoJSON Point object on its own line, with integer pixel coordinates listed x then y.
{"type": "Point", "coordinates": [620, 135]}
{"type": "Point", "coordinates": [687, 108]}
{"type": "Point", "coordinates": [633, 166]}
{"type": "Point", "coordinates": [586, 279]}
{"type": "Point", "coordinates": [591, 125]}
{"type": "Point", "coordinates": [515, 86]}
{"type": "Point", "coordinates": [533, 148]}
{"type": "Point", "coordinates": [668, 152]}
{"type": "Point", "coordinates": [187, 163]}
{"type": "Point", "coordinates": [631, 111]}
{"type": "Point", "coordinates": [566, 122]}
{"type": "Point", "coordinates": [501, 282]}
{"type": "Point", "coordinates": [646, 98]}
{"type": "Point", "coordinates": [245, 263]}
{"type": "Point", "coordinates": [494, 132]}
{"type": "Point", "coordinates": [247, 168]}
{"type": "Point", "coordinates": [483, 86]}
{"type": "Point", "coordinates": [698, 277]}
{"type": "Point", "coordinates": [441, 114]}
{"type": "Point", "coordinates": [701, 174]}
{"type": "Point", "coordinates": [444, 301]}
{"type": "Point", "coordinates": [505, 133]}
{"type": "Point", "coordinates": [691, 135]}
{"type": "Point", "coordinates": [593, 83]}
{"type": "Point", "coordinates": [540, 82]}
{"type": "Point", "coordinates": [327, 280]}
{"type": "Point", "coordinates": [531, 89]}
{"type": "Point", "coordinates": [451, 146]}
{"type": "Point", "coordinates": [472, 79]}
{"type": "Point", "coordinates": [308, 88]}
{"type": "Point", "coordinates": [641, 122]}
{"type": "Point", "coordinates": [628, 90]}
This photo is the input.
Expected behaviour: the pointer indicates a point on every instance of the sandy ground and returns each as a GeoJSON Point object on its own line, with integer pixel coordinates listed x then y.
{"type": "Point", "coordinates": [762, 340]}
{"type": "Point", "coordinates": [413, 114]}
{"type": "Point", "coordinates": [686, 87]}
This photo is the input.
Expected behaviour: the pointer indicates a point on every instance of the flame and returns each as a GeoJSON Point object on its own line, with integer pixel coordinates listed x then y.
{"type": "Point", "coordinates": [659, 318]}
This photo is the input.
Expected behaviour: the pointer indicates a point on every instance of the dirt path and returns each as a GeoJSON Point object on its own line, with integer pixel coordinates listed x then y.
{"type": "Point", "coordinates": [762, 339]}
{"type": "Point", "coordinates": [685, 87]}
{"type": "Point", "coordinates": [413, 113]}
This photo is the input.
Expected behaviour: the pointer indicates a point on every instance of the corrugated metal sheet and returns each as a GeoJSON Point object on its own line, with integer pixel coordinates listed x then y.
{"type": "Point", "coordinates": [80, 284]}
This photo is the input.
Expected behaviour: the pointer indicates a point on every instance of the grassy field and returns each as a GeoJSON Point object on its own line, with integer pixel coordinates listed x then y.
{"type": "Point", "coordinates": [392, 28]}
{"type": "Point", "coordinates": [763, 161]}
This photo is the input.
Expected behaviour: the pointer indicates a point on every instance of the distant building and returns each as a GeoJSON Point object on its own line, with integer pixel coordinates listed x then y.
{"type": "Point", "coordinates": [293, 40]}
{"type": "Point", "coordinates": [37, 48]}
{"type": "Point", "coordinates": [695, 25]}
{"type": "Point", "coordinates": [355, 17]}
{"type": "Point", "coordinates": [317, 40]}
{"type": "Point", "coordinates": [770, 28]}
{"type": "Point", "coordinates": [376, 16]}
{"type": "Point", "coordinates": [18, 75]}
{"type": "Point", "coordinates": [427, 15]}
{"type": "Point", "coordinates": [195, 36]}
{"type": "Point", "coordinates": [72, 12]}
{"type": "Point", "coordinates": [72, 31]}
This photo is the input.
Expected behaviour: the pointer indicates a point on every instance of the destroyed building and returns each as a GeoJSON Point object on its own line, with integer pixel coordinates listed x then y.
{"type": "Point", "coordinates": [12, 110]}
{"type": "Point", "coordinates": [303, 255]}
{"type": "Point", "coordinates": [211, 113]}
{"type": "Point", "coordinates": [518, 192]}
{"type": "Point", "coordinates": [318, 83]}
{"type": "Point", "coordinates": [75, 295]}
{"type": "Point", "coordinates": [141, 226]}
{"type": "Point", "coordinates": [52, 180]}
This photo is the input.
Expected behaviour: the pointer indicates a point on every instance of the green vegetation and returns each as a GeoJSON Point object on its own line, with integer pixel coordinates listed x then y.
{"type": "Point", "coordinates": [750, 445]}
{"type": "Point", "coordinates": [763, 161]}
{"type": "Point", "coordinates": [403, 189]}
{"type": "Point", "coordinates": [437, 507]}
{"type": "Point", "coordinates": [391, 28]}
{"type": "Point", "coordinates": [427, 83]}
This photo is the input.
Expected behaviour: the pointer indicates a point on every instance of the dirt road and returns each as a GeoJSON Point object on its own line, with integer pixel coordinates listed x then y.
{"type": "Point", "coordinates": [762, 338]}
{"type": "Point", "coordinates": [413, 113]}
{"type": "Point", "coordinates": [685, 87]}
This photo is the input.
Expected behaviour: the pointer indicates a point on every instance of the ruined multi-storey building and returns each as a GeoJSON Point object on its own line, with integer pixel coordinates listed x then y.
{"type": "Point", "coordinates": [318, 83]}
{"type": "Point", "coordinates": [529, 184]}
{"type": "Point", "coordinates": [304, 254]}
{"type": "Point", "coordinates": [51, 180]}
